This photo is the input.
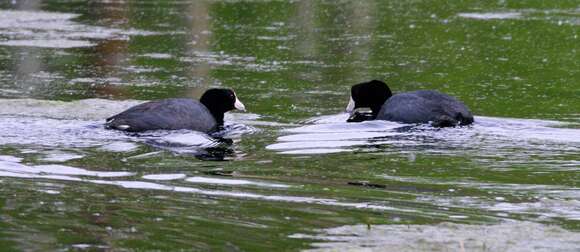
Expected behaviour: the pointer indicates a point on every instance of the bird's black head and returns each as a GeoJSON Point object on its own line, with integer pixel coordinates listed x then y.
{"type": "Point", "coordinates": [219, 101]}
{"type": "Point", "coordinates": [372, 94]}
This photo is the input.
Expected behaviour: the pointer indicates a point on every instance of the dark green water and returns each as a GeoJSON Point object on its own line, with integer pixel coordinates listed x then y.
{"type": "Point", "coordinates": [295, 168]}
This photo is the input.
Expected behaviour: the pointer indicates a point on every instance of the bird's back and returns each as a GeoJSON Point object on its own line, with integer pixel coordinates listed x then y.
{"type": "Point", "coordinates": [167, 114]}
{"type": "Point", "coordinates": [425, 106]}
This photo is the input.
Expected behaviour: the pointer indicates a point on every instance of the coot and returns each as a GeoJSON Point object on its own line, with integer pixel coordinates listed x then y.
{"type": "Point", "coordinates": [423, 106]}
{"type": "Point", "coordinates": [205, 115]}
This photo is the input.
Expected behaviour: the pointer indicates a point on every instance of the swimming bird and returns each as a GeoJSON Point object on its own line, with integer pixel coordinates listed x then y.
{"type": "Point", "coordinates": [205, 115]}
{"type": "Point", "coordinates": [422, 106]}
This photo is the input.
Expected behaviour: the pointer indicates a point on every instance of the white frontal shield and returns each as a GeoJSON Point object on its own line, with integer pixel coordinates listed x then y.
{"type": "Point", "coordinates": [239, 105]}
{"type": "Point", "coordinates": [350, 106]}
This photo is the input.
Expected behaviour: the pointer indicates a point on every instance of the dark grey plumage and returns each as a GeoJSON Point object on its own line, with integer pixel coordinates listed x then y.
{"type": "Point", "coordinates": [425, 106]}
{"type": "Point", "coordinates": [167, 114]}
{"type": "Point", "coordinates": [205, 115]}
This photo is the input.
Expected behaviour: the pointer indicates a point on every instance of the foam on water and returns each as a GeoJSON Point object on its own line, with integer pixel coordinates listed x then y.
{"type": "Point", "coordinates": [506, 236]}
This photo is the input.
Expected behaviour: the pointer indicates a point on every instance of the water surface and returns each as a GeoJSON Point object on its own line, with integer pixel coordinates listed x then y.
{"type": "Point", "coordinates": [290, 173]}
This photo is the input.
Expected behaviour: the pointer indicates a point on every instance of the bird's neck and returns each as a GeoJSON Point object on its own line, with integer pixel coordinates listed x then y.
{"type": "Point", "coordinates": [218, 116]}
{"type": "Point", "coordinates": [375, 110]}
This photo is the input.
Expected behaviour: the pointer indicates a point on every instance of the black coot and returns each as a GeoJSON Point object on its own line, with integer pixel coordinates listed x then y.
{"type": "Point", "coordinates": [205, 115]}
{"type": "Point", "coordinates": [423, 106]}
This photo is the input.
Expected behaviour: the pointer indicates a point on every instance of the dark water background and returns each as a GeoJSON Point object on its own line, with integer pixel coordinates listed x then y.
{"type": "Point", "coordinates": [294, 175]}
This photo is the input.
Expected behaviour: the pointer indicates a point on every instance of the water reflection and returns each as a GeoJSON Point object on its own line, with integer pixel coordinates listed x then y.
{"type": "Point", "coordinates": [290, 60]}
{"type": "Point", "coordinates": [200, 145]}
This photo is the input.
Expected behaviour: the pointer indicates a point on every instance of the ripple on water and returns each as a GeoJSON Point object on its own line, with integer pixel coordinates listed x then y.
{"type": "Point", "coordinates": [39, 131]}
{"type": "Point", "coordinates": [10, 159]}
{"type": "Point", "coordinates": [157, 55]}
{"type": "Point", "coordinates": [554, 16]}
{"type": "Point", "coordinates": [54, 30]}
{"type": "Point", "coordinates": [88, 109]}
{"type": "Point", "coordinates": [506, 236]}
{"type": "Point", "coordinates": [48, 43]}
{"type": "Point", "coordinates": [487, 137]}
{"type": "Point", "coordinates": [220, 181]}
{"type": "Point", "coordinates": [73, 174]}
{"type": "Point", "coordinates": [80, 124]}
{"type": "Point", "coordinates": [173, 176]}
{"type": "Point", "coordinates": [491, 15]}
{"type": "Point", "coordinates": [16, 169]}
{"type": "Point", "coordinates": [61, 156]}
{"type": "Point", "coordinates": [56, 124]}
{"type": "Point", "coordinates": [120, 147]}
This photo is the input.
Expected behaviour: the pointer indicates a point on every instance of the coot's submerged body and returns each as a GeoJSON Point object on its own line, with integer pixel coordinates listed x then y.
{"type": "Point", "coordinates": [423, 106]}
{"type": "Point", "coordinates": [205, 115]}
